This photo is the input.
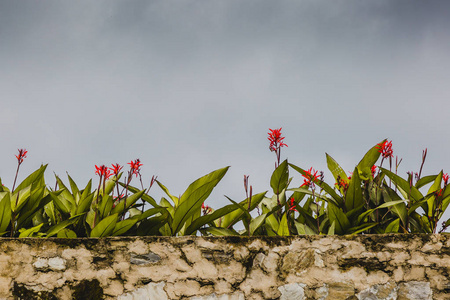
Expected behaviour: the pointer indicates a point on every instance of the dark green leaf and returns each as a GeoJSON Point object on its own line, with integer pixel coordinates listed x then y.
{"type": "Point", "coordinates": [194, 196]}
{"type": "Point", "coordinates": [5, 212]}
{"type": "Point", "coordinates": [336, 215]}
{"type": "Point", "coordinates": [105, 227]}
{"type": "Point", "coordinates": [280, 178]}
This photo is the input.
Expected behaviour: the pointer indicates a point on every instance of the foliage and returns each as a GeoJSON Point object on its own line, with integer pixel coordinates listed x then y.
{"type": "Point", "coordinates": [373, 199]}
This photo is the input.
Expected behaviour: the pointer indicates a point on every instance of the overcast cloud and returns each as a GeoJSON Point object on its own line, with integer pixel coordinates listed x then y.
{"type": "Point", "coordinates": [192, 86]}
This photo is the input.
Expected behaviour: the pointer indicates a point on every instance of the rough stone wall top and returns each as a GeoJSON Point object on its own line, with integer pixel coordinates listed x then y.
{"type": "Point", "coordinates": [202, 268]}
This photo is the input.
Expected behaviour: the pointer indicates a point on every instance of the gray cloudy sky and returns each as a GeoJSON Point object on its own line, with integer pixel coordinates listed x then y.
{"type": "Point", "coordinates": [192, 86]}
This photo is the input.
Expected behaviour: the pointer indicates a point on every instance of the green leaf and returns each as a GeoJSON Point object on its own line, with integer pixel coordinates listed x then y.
{"type": "Point", "coordinates": [123, 226]}
{"type": "Point", "coordinates": [73, 185]}
{"type": "Point", "coordinates": [119, 208]}
{"type": "Point", "coordinates": [280, 178]}
{"type": "Point", "coordinates": [436, 186]}
{"type": "Point", "coordinates": [85, 203]}
{"type": "Point", "coordinates": [362, 228]}
{"type": "Point", "coordinates": [5, 212]}
{"type": "Point", "coordinates": [332, 228]}
{"type": "Point", "coordinates": [389, 204]}
{"type": "Point", "coordinates": [303, 229]}
{"type": "Point", "coordinates": [315, 194]}
{"type": "Point", "coordinates": [19, 198]}
{"type": "Point", "coordinates": [403, 185]}
{"type": "Point", "coordinates": [393, 227]}
{"type": "Point", "coordinates": [199, 222]}
{"type": "Point", "coordinates": [256, 223]}
{"type": "Point", "coordinates": [272, 222]}
{"type": "Point", "coordinates": [31, 231]}
{"type": "Point", "coordinates": [338, 200]}
{"type": "Point", "coordinates": [235, 216]}
{"type": "Point", "coordinates": [105, 206]}
{"type": "Point", "coordinates": [36, 176]}
{"type": "Point", "coordinates": [64, 190]}
{"type": "Point", "coordinates": [216, 231]}
{"type": "Point", "coordinates": [166, 190]}
{"type": "Point", "coordinates": [336, 169]}
{"type": "Point", "coordinates": [283, 229]}
{"type": "Point", "coordinates": [369, 159]}
{"type": "Point", "coordinates": [66, 234]}
{"type": "Point", "coordinates": [61, 225]}
{"type": "Point", "coordinates": [354, 195]}
{"type": "Point", "coordinates": [399, 209]}
{"type": "Point", "coordinates": [37, 202]}
{"type": "Point", "coordinates": [105, 227]}
{"type": "Point", "coordinates": [63, 204]}
{"type": "Point", "coordinates": [336, 215]}
{"type": "Point", "coordinates": [194, 196]}
{"type": "Point", "coordinates": [425, 180]}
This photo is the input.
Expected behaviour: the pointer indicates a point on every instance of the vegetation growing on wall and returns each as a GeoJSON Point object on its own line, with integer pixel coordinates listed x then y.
{"type": "Point", "coordinates": [373, 199]}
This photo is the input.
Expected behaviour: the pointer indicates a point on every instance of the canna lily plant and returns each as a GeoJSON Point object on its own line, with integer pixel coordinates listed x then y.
{"type": "Point", "coordinates": [373, 199]}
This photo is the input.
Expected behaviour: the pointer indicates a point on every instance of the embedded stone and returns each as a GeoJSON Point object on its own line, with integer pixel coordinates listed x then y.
{"type": "Point", "coordinates": [340, 291]}
{"type": "Point", "coordinates": [41, 264]}
{"type": "Point", "coordinates": [415, 290]}
{"type": "Point", "coordinates": [144, 259]}
{"type": "Point", "coordinates": [292, 291]}
{"type": "Point", "coordinates": [57, 263]}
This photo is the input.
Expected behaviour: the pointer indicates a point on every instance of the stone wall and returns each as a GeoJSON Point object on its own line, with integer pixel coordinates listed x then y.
{"type": "Point", "coordinates": [234, 268]}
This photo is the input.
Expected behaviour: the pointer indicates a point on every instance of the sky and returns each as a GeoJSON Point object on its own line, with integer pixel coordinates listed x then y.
{"type": "Point", "coordinates": [189, 87]}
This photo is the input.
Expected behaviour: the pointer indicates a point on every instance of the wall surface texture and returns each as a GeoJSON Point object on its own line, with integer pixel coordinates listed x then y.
{"type": "Point", "coordinates": [229, 268]}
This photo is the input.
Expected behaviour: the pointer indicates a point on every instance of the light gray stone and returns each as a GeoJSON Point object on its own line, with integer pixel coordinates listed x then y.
{"type": "Point", "coordinates": [149, 291]}
{"type": "Point", "coordinates": [57, 263]}
{"type": "Point", "coordinates": [41, 264]}
{"type": "Point", "coordinates": [149, 258]}
{"type": "Point", "coordinates": [386, 291]}
{"type": "Point", "coordinates": [416, 290]}
{"type": "Point", "coordinates": [292, 291]}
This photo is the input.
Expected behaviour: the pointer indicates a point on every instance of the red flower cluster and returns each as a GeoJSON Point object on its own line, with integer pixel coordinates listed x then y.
{"type": "Point", "coordinates": [374, 170]}
{"type": "Point", "coordinates": [292, 206]}
{"type": "Point", "coordinates": [206, 209]}
{"type": "Point", "coordinates": [341, 183]}
{"type": "Point", "coordinates": [102, 171]}
{"type": "Point", "coordinates": [445, 178]}
{"type": "Point", "coordinates": [438, 193]}
{"type": "Point", "coordinates": [135, 167]}
{"type": "Point", "coordinates": [116, 169]}
{"type": "Point", "coordinates": [22, 154]}
{"type": "Point", "coordinates": [385, 149]}
{"type": "Point", "coordinates": [310, 177]}
{"type": "Point", "coordinates": [276, 140]}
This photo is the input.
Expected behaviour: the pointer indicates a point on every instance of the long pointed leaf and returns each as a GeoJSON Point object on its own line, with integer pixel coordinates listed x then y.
{"type": "Point", "coordinates": [5, 212]}
{"type": "Point", "coordinates": [194, 196]}
{"type": "Point", "coordinates": [280, 178]}
{"type": "Point", "coordinates": [105, 227]}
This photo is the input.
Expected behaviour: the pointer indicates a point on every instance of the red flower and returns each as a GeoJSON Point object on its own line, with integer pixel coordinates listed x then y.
{"type": "Point", "coordinates": [135, 167]}
{"type": "Point", "coordinates": [206, 209]}
{"type": "Point", "coordinates": [385, 149]}
{"type": "Point", "coordinates": [102, 171]}
{"type": "Point", "coordinates": [438, 193]}
{"type": "Point", "coordinates": [341, 183]}
{"type": "Point", "coordinates": [445, 178]}
{"type": "Point", "coordinates": [373, 169]}
{"type": "Point", "coordinates": [116, 169]}
{"type": "Point", "coordinates": [22, 154]}
{"type": "Point", "coordinates": [310, 177]}
{"type": "Point", "coordinates": [292, 206]}
{"type": "Point", "coordinates": [276, 140]}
